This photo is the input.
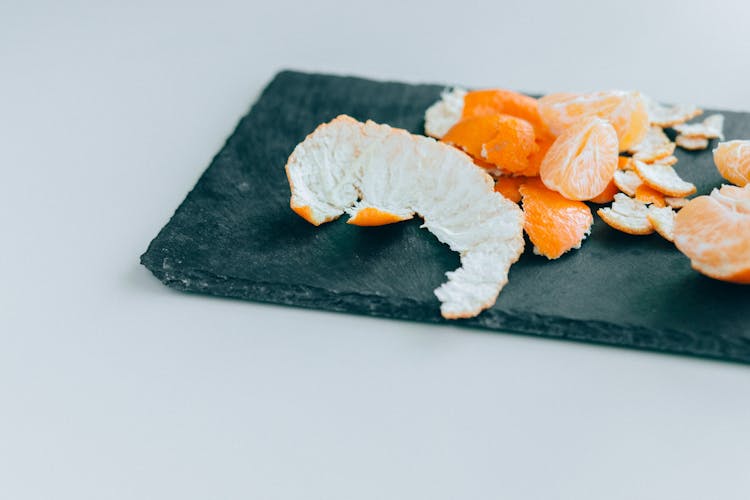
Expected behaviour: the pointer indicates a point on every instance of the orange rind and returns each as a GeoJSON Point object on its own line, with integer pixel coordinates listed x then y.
{"type": "Point", "coordinates": [368, 170]}
{"type": "Point", "coordinates": [662, 218]}
{"type": "Point", "coordinates": [712, 127]}
{"type": "Point", "coordinates": [555, 225]}
{"type": "Point", "coordinates": [508, 187]}
{"type": "Point", "coordinates": [627, 181]}
{"type": "Point", "coordinates": [732, 159]}
{"type": "Point", "coordinates": [691, 143]}
{"type": "Point", "coordinates": [668, 116]}
{"type": "Point", "coordinates": [627, 215]}
{"type": "Point", "coordinates": [655, 145]}
{"type": "Point", "coordinates": [442, 115]}
{"type": "Point", "coordinates": [648, 195]}
{"type": "Point", "coordinates": [714, 233]}
{"type": "Point", "coordinates": [582, 161]}
{"type": "Point", "coordinates": [664, 179]}
{"type": "Point", "coordinates": [676, 202]}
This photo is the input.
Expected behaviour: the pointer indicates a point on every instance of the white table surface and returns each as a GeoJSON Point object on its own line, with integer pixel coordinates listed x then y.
{"type": "Point", "coordinates": [114, 387]}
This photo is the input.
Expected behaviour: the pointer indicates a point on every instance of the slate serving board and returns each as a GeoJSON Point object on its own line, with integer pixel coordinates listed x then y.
{"type": "Point", "coordinates": [235, 236]}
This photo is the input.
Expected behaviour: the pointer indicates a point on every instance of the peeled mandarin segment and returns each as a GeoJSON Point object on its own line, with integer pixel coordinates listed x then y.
{"type": "Point", "coordinates": [626, 111]}
{"type": "Point", "coordinates": [649, 195]}
{"type": "Point", "coordinates": [445, 113]}
{"type": "Point", "coordinates": [664, 179]}
{"type": "Point", "coordinates": [654, 145]}
{"type": "Point", "coordinates": [346, 166]}
{"type": "Point", "coordinates": [608, 194]}
{"type": "Point", "coordinates": [582, 161]}
{"type": "Point", "coordinates": [627, 181]}
{"type": "Point", "coordinates": [663, 221]}
{"type": "Point", "coordinates": [733, 161]}
{"type": "Point", "coordinates": [627, 215]}
{"type": "Point", "coordinates": [715, 237]}
{"type": "Point", "coordinates": [508, 187]}
{"type": "Point", "coordinates": [554, 224]}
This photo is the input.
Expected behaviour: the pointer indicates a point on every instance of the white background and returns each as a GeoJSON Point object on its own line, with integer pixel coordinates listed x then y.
{"type": "Point", "coordinates": [115, 387]}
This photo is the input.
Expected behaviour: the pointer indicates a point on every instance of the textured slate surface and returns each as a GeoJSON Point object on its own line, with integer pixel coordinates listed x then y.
{"type": "Point", "coordinates": [235, 236]}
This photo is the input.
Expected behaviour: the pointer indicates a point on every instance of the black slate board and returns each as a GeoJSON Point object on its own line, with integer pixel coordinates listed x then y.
{"type": "Point", "coordinates": [235, 236]}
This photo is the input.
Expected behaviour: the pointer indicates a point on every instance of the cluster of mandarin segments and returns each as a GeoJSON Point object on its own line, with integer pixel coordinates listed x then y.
{"type": "Point", "coordinates": [554, 153]}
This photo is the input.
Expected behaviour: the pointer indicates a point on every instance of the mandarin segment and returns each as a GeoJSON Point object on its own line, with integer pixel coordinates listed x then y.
{"type": "Point", "coordinates": [554, 224]}
{"type": "Point", "coordinates": [626, 111]}
{"type": "Point", "coordinates": [732, 159]}
{"type": "Point", "coordinates": [582, 160]}
{"type": "Point", "coordinates": [714, 233]}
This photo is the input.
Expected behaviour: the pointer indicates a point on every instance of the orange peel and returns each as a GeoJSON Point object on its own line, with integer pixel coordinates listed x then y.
{"type": "Point", "coordinates": [664, 179]}
{"type": "Point", "coordinates": [655, 145]}
{"type": "Point", "coordinates": [555, 225]}
{"type": "Point", "coordinates": [346, 166]}
{"type": "Point", "coordinates": [627, 215]}
{"type": "Point", "coordinates": [627, 181]}
{"type": "Point", "coordinates": [662, 218]}
{"type": "Point", "coordinates": [668, 116]}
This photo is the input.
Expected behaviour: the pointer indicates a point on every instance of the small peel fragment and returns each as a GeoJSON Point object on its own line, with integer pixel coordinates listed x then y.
{"type": "Point", "coordinates": [627, 215]}
{"type": "Point", "coordinates": [668, 116]}
{"type": "Point", "coordinates": [662, 218]}
{"type": "Point", "coordinates": [648, 195]}
{"type": "Point", "coordinates": [508, 187]}
{"type": "Point", "coordinates": [676, 203]}
{"type": "Point", "coordinates": [627, 181]}
{"type": "Point", "coordinates": [664, 179]}
{"type": "Point", "coordinates": [710, 128]}
{"type": "Point", "coordinates": [691, 143]}
{"type": "Point", "coordinates": [442, 115]}
{"type": "Point", "coordinates": [655, 145]}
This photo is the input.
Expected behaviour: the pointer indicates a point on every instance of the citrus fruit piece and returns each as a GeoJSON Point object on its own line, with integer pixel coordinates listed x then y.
{"type": "Point", "coordinates": [733, 161]}
{"type": "Point", "coordinates": [508, 187]}
{"type": "Point", "coordinates": [627, 181]}
{"type": "Point", "coordinates": [501, 140]}
{"type": "Point", "coordinates": [648, 195]}
{"type": "Point", "coordinates": [346, 166]}
{"type": "Point", "coordinates": [691, 143]}
{"type": "Point", "coordinates": [442, 115]}
{"type": "Point", "coordinates": [710, 128]}
{"type": "Point", "coordinates": [676, 202]}
{"type": "Point", "coordinates": [624, 163]}
{"type": "Point", "coordinates": [582, 160]}
{"type": "Point", "coordinates": [627, 215]}
{"type": "Point", "coordinates": [608, 194]}
{"type": "Point", "coordinates": [668, 116]}
{"type": "Point", "coordinates": [667, 160]}
{"type": "Point", "coordinates": [664, 179]}
{"type": "Point", "coordinates": [714, 233]}
{"type": "Point", "coordinates": [654, 145]}
{"type": "Point", "coordinates": [626, 111]}
{"type": "Point", "coordinates": [662, 218]}
{"type": "Point", "coordinates": [554, 223]}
